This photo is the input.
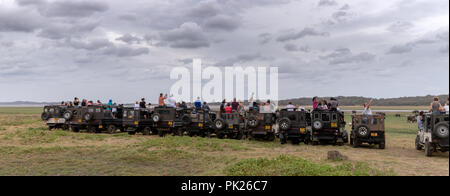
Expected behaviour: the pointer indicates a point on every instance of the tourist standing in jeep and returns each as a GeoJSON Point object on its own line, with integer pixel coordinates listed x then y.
{"type": "Point", "coordinates": [367, 110]}
{"type": "Point", "coordinates": [436, 107]}
{"type": "Point", "coordinates": [161, 99]}
{"type": "Point", "coordinates": [435, 134]}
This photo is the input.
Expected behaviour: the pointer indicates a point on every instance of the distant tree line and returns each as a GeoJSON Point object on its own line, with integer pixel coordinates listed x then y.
{"type": "Point", "coordinates": [357, 101]}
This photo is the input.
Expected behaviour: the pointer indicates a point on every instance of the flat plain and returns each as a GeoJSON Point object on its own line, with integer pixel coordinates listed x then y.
{"type": "Point", "coordinates": [27, 147]}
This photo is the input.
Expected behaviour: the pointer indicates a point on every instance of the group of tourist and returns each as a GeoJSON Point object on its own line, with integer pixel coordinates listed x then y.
{"type": "Point", "coordinates": [436, 108]}
{"type": "Point", "coordinates": [85, 103]}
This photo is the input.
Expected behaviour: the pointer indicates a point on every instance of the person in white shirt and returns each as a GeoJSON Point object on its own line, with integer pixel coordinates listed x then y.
{"type": "Point", "coordinates": [367, 110]}
{"type": "Point", "coordinates": [172, 101]}
{"type": "Point", "coordinates": [137, 106]}
{"type": "Point", "coordinates": [290, 107]}
{"type": "Point", "coordinates": [299, 109]}
{"type": "Point", "coordinates": [446, 107]}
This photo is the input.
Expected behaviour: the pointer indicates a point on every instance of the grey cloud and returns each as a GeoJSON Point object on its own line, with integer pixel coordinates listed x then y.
{"type": "Point", "coordinates": [345, 7]}
{"type": "Point", "coordinates": [400, 26]}
{"type": "Point", "coordinates": [18, 21]}
{"type": "Point", "coordinates": [125, 51]}
{"type": "Point", "coordinates": [128, 17]}
{"type": "Point", "coordinates": [204, 9]}
{"type": "Point", "coordinates": [105, 47]}
{"type": "Point", "coordinates": [73, 8]}
{"type": "Point", "coordinates": [31, 2]}
{"type": "Point", "coordinates": [222, 22]}
{"type": "Point", "coordinates": [400, 49]}
{"type": "Point", "coordinates": [323, 3]}
{"type": "Point", "coordinates": [188, 35]}
{"type": "Point", "coordinates": [63, 30]}
{"type": "Point", "coordinates": [244, 58]}
{"type": "Point", "coordinates": [295, 48]}
{"type": "Point", "coordinates": [299, 35]}
{"type": "Point", "coordinates": [410, 46]}
{"type": "Point", "coordinates": [346, 56]}
{"type": "Point", "coordinates": [129, 39]}
{"type": "Point", "coordinates": [89, 45]}
{"type": "Point", "coordinates": [185, 61]}
{"type": "Point", "coordinates": [340, 16]}
{"type": "Point", "coordinates": [265, 38]}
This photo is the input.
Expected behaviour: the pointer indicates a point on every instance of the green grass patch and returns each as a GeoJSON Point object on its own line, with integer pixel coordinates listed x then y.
{"type": "Point", "coordinates": [21, 110]}
{"type": "Point", "coordinates": [195, 143]}
{"type": "Point", "coordinates": [292, 166]}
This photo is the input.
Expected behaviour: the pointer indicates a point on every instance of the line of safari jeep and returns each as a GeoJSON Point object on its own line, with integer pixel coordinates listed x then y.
{"type": "Point", "coordinates": [315, 127]}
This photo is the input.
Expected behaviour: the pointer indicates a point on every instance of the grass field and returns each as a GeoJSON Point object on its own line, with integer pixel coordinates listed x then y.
{"type": "Point", "coordinates": [28, 148]}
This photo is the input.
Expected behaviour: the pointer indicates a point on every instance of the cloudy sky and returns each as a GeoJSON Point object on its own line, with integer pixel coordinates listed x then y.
{"type": "Point", "coordinates": [54, 50]}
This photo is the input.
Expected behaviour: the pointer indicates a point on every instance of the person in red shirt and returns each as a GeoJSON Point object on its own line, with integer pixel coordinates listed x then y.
{"type": "Point", "coordinates": [161, 99]}
{"type": "Point", "coordinates": [228, 109]}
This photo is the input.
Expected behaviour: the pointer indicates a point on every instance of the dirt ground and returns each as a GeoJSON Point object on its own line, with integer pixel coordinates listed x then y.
{"type": "Point", "coordinates": [28, 148]}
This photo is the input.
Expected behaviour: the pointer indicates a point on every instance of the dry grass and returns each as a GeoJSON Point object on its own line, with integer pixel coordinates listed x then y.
{"type": "Point", "coordinates": [28, 148]}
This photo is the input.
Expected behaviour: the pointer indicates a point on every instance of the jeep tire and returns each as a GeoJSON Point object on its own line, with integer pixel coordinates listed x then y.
{"type": "Point", "coordinates": [67, 115]}
{"type": "Point", "coordinates": [111, 129]}
{"type": "Point", "coordinates": [156, 118]}
{"type": "Point", "coordinates": [146, 131]}
{"type": "Point", "coordinates": [428, 149]}
{"type": "Point", "coordinates": [417, 143]}
{"type": "Point", "coordinates": [45, 116]}
{"type": "Point", "coordinates": [317, 125]}
{"type": "Point", "coordinates": [219, 124]}
{"type": "Point", "coordinates": [87, 116]}
{"type": "Point", "coordinates": [441, 130]}
{"type": "Point", "coordinates": [252, 122]}
{"type": "Point", "coordinates": [285, 124]}
{"type": "Point", "coordinates": [186, 120]}
{"type": "Point", "coordinates": [362, 131]}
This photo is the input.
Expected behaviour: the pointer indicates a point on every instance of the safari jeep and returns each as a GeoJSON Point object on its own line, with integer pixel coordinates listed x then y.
{"type": "Point", "coordinates": [134, 121]}
{"type": "Point", "coordinates": [230, 125]}
{"type": "Point", "coordinates": [74, 118]}
{"type": "Point", "coordinates": [198, 122]}
{"type": "Point", "coordinates": [97, 119]}
{"type": "Point", "coordinates": [261, 125]}
{"type": "Point", "coordinates": [294, 126]}
{"type": "Point", "coordinates": [167, 120]}
{"type": "Point", "coordinates": [435, 136]}
{"type": "Point", "coordinates": [368, 129]}
{"type": "Point", "coordinates": [328, 126]}
{"type": "Point", "coordinates": [53, 117]}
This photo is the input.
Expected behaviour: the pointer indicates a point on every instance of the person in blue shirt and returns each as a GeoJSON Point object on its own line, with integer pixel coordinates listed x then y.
{"type": "Point", "coordinates": [198, 103]}
{"type": "Point", "coordinates": [420, 124]}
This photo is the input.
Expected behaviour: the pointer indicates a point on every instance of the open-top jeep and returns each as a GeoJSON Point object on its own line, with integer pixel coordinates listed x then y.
{"type": "Point", "coordinates": [74, 118]}
{"type": "Point", "coordinates": [95, 119]}
{"type": "Point", "coordinates": [198, 122]}
{"type": "Point", "coordinates": [231, 125]}
{"type": "Point", "coordinates": [435, 136]}
{"type": "Point", "coordinates": [261, 125]}
{"type": "Point", "coordinates": [368, 129]}
{"type": "Point", "coordinates": [53, 117]}
{"type": "Point", "coordinates": [294, 126]}
{"type": "Point", "coordinates": [167, 120]}
{"type": "Point", "coordinates": [134, 121]}
{"type": "Point", "coordinates": [328, 126]}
